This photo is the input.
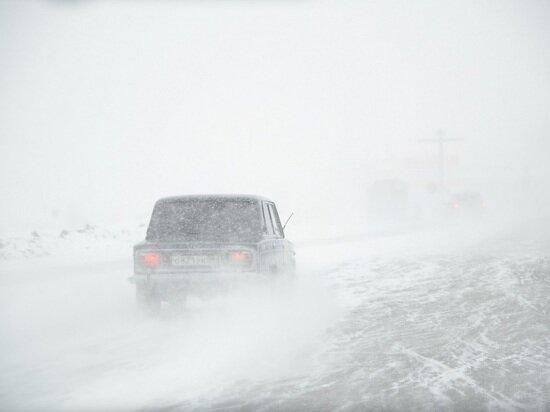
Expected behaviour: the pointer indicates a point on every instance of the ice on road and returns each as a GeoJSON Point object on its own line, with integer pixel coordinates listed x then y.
{"type": "Point", "coordinates": [368, 326]}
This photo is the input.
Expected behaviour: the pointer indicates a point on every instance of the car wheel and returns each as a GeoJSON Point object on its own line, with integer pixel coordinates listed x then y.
{"type": "Point", "coordinates": [147, 300]}
{"type": "Point", "coordinates": [178, 302]}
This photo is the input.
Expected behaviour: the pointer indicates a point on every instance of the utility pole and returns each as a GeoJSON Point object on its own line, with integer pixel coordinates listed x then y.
{"type": "Point", "coordinates": [440, 139]}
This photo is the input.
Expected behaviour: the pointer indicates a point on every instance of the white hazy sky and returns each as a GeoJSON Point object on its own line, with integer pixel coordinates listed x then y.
{"type": "Point", "coordinates": [107, 105]}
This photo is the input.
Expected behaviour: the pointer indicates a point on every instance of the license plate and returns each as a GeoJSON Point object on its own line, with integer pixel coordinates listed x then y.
{"type": "Point", "coordinates": [194, 260]}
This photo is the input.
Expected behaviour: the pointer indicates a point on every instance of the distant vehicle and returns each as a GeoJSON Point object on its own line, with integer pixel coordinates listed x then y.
{"type": "Point", "coordinates": [468, 204]}
{"type": "Point", "coordinates": [194, 243]}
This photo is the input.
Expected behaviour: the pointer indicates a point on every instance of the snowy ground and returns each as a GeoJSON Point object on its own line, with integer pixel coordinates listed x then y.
{"type": "Point", "coordinates": [454, 319]}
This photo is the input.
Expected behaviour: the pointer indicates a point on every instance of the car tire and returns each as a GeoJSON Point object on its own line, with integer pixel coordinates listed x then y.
{"type": "Point", "coordinates": [147, 300]}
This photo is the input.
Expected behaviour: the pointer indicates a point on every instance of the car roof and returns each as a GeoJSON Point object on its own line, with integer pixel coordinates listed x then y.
{"type": "Point", "coordinates": [214, 197]}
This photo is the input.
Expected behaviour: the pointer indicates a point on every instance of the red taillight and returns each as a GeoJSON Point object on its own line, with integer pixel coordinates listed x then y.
{"type": "Point", "coordinates": [150, 259]}
{"type": "Point", "coordinates": [239, 256]}
{"type": "Point", "coordinates": [456, 205]}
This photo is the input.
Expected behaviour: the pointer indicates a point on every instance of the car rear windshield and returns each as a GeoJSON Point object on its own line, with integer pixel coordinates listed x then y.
{"type": "Point", "coordinates": [205, 219]}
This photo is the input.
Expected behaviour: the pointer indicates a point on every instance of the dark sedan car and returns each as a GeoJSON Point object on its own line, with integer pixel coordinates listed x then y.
{"type": "Point", "coordinates": [465, 204]}
{"type": "Point", "coordinates": [196, 242]}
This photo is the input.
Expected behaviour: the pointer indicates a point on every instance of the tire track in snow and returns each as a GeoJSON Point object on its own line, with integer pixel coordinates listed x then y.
{"type": "Point", "coordinates": [449, 332]}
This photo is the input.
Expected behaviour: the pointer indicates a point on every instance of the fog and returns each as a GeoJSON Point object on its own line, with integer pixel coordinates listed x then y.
{"type": "Point", "coordinates": [421, 279]}
{"type": "Point", "coordinates": [106, 106]}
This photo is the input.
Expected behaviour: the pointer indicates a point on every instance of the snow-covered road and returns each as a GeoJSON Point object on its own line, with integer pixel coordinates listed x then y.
{"type": "Point", "coordinates": [446, 320]}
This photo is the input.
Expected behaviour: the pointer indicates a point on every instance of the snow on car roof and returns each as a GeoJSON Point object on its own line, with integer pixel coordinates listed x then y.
{"type": "Point", "coordinates": [212, 197]}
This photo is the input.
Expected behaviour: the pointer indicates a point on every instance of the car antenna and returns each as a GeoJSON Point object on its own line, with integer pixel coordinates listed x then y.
{"type": "Point", "coordinates": [292, 214]}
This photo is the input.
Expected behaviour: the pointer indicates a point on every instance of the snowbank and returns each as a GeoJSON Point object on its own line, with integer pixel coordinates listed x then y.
{"type": "Point", "coordinates": [89, 241]}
